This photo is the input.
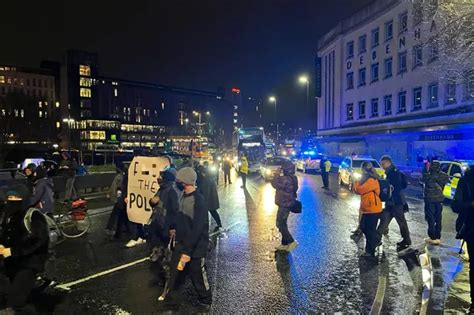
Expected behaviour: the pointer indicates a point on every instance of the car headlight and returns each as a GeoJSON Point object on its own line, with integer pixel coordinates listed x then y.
{"type": "Point", "coordinates": [268, 172]}
{"type": "Point", "coordinates": [357, 176]}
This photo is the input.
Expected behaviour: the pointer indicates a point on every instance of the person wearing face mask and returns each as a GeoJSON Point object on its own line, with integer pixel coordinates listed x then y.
{"type": "Point", "coordinates": [25, 252]}
{"type": "Point", "coordinates": [165, 208]}
{"type": "Point", "coordinates": [192, 241]}
{"type": "Point", "coordinates": [368, 188]}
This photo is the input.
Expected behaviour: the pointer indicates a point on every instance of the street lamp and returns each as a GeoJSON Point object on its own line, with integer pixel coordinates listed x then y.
{"type": "Point", "coordinates": [272, 99]}
{"type": "Point", "coordinates": [69, 122]}
{"type": "Point", "coordinates": [186, 121]}
{"type": "Point", "coordinates": [200, 124]}
{"type": "Point", "coordinates": [304, 80]}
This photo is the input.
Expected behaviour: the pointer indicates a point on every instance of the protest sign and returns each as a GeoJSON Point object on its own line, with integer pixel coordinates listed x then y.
{"type": "Point", "coordinates": [143, 175]}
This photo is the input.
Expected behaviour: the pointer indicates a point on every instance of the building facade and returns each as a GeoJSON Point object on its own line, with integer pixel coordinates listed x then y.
{"type": "Point", "coordinates": [29, 107]}
{"type": "Point", "coordinates": [387, 86]}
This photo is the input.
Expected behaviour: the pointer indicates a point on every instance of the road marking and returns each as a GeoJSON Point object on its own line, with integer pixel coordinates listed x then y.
{"type": "Point", "coordinates": [67, 286]}
{"type": "Point", "coordinates": [379, 296]}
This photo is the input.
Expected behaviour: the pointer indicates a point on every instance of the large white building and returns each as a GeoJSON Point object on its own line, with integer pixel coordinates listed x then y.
{"type": "Point", "coordinates": [396, 80]}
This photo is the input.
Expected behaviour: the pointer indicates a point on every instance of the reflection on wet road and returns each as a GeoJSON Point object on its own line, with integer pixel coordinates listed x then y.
{"type": "Point", "coordinates": [324, 274]}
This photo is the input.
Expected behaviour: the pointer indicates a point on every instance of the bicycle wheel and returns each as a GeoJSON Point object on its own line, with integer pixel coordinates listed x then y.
{"type": "Point", "coordinates": [71, 226]}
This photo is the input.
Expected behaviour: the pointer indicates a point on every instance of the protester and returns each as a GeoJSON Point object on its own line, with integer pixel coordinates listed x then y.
{"type": "Point", "coordinates": [43, 195]}
{"type": "Point", "coordinates": [67, 169]}
{"type": "Point", "coordinates": [29, 172]}
{"type": "Point", "coordinates": [463, 205]}
{"type": "Point", "coordinates": [286, 186]}
{"type": "Point", "coordinates": [121, 208]}
{"type": "Point", "coordinates": [226, 168]}
{"type": "Point", "coordinates": [325, 170]}
{"type": "Point", "coordinates": [25, 253]}
{"type": "Point", "coordinates": [165, 209]}
{"type": "Point", "coordinates": [208, 189]}
{"type": "Point", "coordinates": [82, 170]}
{"type": "Point", "coordinates": [394, 208]}
{"type": "Point", "coordinates": [370, 207]}
{"type": "Point", "coordinates": [434, 181]}
{"type": "Point", "coordinates": [115, 192]}
{"type": "Point", "coordinates": [192, 240]}
{"type": "Point", "coordinates": [244, 169]}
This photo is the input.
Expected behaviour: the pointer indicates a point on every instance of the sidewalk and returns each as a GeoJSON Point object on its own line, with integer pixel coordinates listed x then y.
{"type": "Point", "coordinates": [450, 278]}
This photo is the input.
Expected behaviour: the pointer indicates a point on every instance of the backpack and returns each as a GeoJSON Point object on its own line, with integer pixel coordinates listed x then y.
{"type": "Point", "coordinates": [385, 190]}
{"type": "Point", "coordinates": [53, 230]}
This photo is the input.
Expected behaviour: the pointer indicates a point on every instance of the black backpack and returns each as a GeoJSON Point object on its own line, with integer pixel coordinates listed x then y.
{"type": "Point", "coordinates": [385, 190]}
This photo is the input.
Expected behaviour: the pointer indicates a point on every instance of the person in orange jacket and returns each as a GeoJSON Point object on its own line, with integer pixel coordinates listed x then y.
{"type": "Point", "coordinates": [370, 206]}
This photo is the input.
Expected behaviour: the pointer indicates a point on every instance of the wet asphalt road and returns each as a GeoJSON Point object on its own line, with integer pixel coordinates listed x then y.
{"type": "Point", "coordinates": [324, 274]}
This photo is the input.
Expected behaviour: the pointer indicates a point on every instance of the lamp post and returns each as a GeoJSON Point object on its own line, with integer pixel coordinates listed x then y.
{"type": "Point", "coordinates": [69, 122]}
{"type": "Point", "coordinates": [186, 121]}
{"type": "Point", "coordinates": [272, 99]}
{"type": "Point", "coordinates": [199, 115]}
{"type": "Point", "coordinates": [304, 80]}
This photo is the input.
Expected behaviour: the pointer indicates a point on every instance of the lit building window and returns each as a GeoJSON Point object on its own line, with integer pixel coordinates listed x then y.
{"type": "Point", "coordinates": [87, 82]}
{"type": "Point", "coordinates": [16, 112]}
{"type": "Point", "coordinates": [417, 98]}
{"type": "Point", "coordinates": [57, 104]}
{"type": "Point", "coordinates": [85, 70]}
{"type": "Point", "coordinates": [162, 105]}
{"type": "Point", "coordinates": [2, 79]}
{"type": "Point", "coordinates": [40, 113]}
{"type": "Point", "coordinates": [84, 92]}
{"type": "Point", "coordinates": [115, 92]}
{"type": "Point", "coordinates": [22, 113]}
{"type": "Point", "coordinates": [9, 80]}
{"type": "Point", "coordinates": [22, 82]}
{"type": "Point", "coordinates": [40, 104]}
{"type": "Point", "coordinates": [58, 124]}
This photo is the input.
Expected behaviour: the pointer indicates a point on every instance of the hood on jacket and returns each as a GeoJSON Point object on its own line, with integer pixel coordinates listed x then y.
{"type": "Point", "coordinates": [435, 166]}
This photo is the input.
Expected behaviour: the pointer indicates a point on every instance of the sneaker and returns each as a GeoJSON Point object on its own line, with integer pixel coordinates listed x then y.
{"type": "Point", "coordinates": [436, 242]}
{"type": "Point", "coordinates": [141, 241]}
{"type": "Point", "coordinates": [292, 246]}
{"type": "Point", "coordinates": [131, 243]}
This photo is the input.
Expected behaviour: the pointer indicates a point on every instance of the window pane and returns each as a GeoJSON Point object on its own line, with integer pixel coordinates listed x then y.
{"type": "Point", "coordinates": [85, 70]}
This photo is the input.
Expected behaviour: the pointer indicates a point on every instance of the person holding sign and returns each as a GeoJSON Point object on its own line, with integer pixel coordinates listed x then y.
{"type": "Point", "coordinates": [192, 241]}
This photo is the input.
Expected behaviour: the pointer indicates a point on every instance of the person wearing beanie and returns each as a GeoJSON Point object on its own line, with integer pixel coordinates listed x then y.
{"type": "Point", "coordinates": [29, 172]}
{"type": "Point", "coordinates": [25, 252]}
{"type": "Point", "coordinates": [192, 241]}
{"type": "Point", "coordinates": [43, 195]}
{"type": "Point", "coordinates": [286, 186]}
{"type": "Point", "coordinates": [434, 181]}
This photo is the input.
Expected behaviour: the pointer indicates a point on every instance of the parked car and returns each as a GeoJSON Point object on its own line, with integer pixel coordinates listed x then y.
{"type": "Point", "coordinates": [350, 169]}
{"type": "Point", "coordinates": [271, 166]}
{"type": "Point", "coordinates": [309, 162]}
{"type": "Point", "coordinates": [455, 170]}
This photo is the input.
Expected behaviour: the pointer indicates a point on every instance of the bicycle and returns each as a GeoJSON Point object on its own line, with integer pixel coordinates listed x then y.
{"type": "Point", "coordinates": [73, 220]}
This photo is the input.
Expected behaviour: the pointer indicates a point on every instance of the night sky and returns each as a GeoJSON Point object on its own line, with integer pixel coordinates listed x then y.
{"type": "Point", "coordinates": [260, 46]}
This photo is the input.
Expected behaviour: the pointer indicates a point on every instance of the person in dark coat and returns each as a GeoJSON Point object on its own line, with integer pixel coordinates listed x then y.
{"type": "Point", "coordinates": [394, 208]}
{"type": "Point", "coordinates": [67, 169]}
{"type": "Point", "coordinates": [29, 172]}
{"type": "Point", "coordinates": [192, 241]}
{"type": "Point", "coordinates": [208, 189]}
{"type": "Point", "coordinates": [227, 166]}
{"type": "Point", "coordinates": [434, 181]}
{"type": "Point", "coordinates": [43, 195]}
{"type": "Point", "coordinates": [25, 252]}
{"type": "Point", "coordinates": [286, 186]}
{"type": "Point", "coordinates": [165, 207]}
{"type": "Point", "coordinates": [463, 205]}
{"type": "Point", "coordinates": [121, 208]}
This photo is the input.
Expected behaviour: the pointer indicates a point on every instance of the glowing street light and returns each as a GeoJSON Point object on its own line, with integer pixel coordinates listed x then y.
{"type": "Point", "coordinates": [272, 99]}
{"type": "Point", "coordinates": [305, 80]}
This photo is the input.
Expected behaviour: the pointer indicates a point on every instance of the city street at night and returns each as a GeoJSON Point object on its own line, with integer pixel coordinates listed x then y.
{"type": "Point", "coordinates": [323, 274]}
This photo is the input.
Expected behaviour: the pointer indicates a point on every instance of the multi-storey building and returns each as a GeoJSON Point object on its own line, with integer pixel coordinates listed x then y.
{"type": "Point", "coordinates": [392, 83]}
{"type": "Point", "coordinates": [29, 106]}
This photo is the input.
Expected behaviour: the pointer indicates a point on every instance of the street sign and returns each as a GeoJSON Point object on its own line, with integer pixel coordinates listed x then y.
{"type": "Point", "coordinates": [143, 176]}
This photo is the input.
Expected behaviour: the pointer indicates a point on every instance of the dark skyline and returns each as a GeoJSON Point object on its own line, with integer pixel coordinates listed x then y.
{"type": "Point", "coordinates": [258, 46]}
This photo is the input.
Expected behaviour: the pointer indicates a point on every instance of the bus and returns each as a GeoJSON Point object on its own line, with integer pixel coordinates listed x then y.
{"type": "Point", "coordinates": [251, 143]}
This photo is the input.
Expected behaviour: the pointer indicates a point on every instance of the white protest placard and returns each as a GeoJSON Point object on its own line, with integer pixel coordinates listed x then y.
{"type": "Point", "coordinates": [143, 175]}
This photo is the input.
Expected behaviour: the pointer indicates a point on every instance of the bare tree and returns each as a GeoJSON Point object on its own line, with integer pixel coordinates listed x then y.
{"type": "Point", "coordinates": [450, 46]}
